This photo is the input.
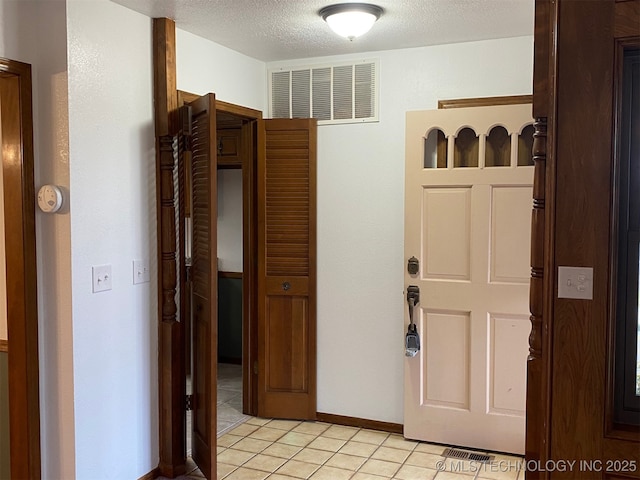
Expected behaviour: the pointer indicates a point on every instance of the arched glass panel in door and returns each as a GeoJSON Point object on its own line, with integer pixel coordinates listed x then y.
{"type": "Point", "coordinates": [435, 149]}
{"type": "Point", "coordinates": [525, 146]}
{"type": "Point", "coordinates": [466, 146]}
{"type": "Point", "coordinates": [498, 148]}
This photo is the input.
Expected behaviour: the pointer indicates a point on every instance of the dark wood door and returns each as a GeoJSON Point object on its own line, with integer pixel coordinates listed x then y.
{"type": "Point", "coordinates": [204, 281]}
{"type": "Point", "coordinates": [579, 48]}
{"type": "Point", "coordinates": [287, 268]}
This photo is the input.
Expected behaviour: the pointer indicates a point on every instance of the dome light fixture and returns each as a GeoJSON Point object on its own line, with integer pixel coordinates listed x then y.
{"type": "Point", "coordinates": [351, 20]}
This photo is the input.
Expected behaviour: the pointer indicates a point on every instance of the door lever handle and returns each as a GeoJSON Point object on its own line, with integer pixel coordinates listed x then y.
{"type": "Point", "coordinates": [412, 339]}
{"type": "Point", "coordinates": [413, 291]}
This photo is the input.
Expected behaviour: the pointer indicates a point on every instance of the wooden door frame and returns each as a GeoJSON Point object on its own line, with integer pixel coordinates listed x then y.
{"type": "Point", "coordinates": [249, 118]}
{"type": "Point", "coordinates": [171, 351]}
{"type": "Point", "coordinates": [543, 278]}
{"type": "Point", "coordinates": [22, 300]}
{"type": "Point", "coordinates": [543, 435]}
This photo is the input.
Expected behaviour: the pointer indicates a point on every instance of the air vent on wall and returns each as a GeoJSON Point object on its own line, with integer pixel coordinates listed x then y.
{"type": "Point", "coordinates": [340, 93]}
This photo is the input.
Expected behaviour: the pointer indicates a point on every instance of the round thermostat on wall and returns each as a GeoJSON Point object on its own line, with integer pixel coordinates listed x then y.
{"type": "Point", "coordinates": [49, 198]}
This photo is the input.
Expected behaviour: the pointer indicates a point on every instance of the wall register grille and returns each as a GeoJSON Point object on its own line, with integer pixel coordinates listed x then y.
{"type": "Point", "coordinates": [339, 93]}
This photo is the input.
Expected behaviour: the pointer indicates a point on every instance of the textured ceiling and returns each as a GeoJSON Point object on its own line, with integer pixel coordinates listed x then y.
{"type": "Point", "coordinates": [271, 30]}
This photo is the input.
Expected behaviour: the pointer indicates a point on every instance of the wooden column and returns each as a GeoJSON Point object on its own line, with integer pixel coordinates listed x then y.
{"type": "Point", "coordinates": [170, 330]}
{"type": "Point", "coordinates": [542, 234]}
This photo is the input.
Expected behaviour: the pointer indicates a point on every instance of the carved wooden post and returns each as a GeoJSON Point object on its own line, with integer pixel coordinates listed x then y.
{"type": "Point", "coordinates": [542, 275]}
{"type": "Point", "coordinates": [170, 330]}
{"type": "Point", "coordinates": [536, 364]}
{"type": "Point", "coordinates": [168, 235]}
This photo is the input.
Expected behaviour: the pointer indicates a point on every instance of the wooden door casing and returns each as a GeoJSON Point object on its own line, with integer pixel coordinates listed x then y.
{"type": "Point", "coordinates": [570, 380]}
{"type": "Point", "coordinates": [287, 268]}
{"type": "Point", "coordinates": [20, 237]}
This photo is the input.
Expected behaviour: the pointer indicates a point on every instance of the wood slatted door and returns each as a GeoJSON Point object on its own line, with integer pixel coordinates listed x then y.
{"type": "Point", "coordinates": [287, 268]}
{"type": "Point", "coordinates": [204, 282]}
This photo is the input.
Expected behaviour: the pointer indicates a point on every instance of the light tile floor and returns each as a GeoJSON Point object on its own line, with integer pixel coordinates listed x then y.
{"type": "Point", "coordinates": [261, 449]}
{"type": "Point", "coordinates": [229, 397]}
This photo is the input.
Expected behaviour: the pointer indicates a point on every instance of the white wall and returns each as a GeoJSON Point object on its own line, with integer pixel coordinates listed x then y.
{"type": "Point", "coordinates": [360, 216]}
{"type": "Point", "coordinates": [204, 66]}
{"type": "Point", "coordinates": [113, 221]}
{"type": "Point", "coordinates": [35, 32]}
{"type": "Point", "coordinates": [230, 220]}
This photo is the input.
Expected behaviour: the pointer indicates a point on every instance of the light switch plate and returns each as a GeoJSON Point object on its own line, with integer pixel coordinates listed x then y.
{"type": "Point", "coordinates": [575, 282]}
{"type": "Point", "coordinates": [141, 271]}
{"type": "Point", "coordinates": [101, 278]}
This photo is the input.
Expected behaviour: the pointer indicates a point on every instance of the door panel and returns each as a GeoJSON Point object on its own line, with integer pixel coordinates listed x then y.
{"type": "Point", "coordinates": [510, 234]}
{"type": "Point", "coordinates": [447, 228]}
{"type": "Point", "coordinates": [286, 334]}
{"type": "Point", "coordinates": [470, 228]}
{"type": "Point", "coordinates": [508, 338]}
{"type": "Point", "coordinates": [446, 343]}
{"type": "Point", "coordinates": [286, 268]}
{"type": "Point", "coordinates": [204, 282]}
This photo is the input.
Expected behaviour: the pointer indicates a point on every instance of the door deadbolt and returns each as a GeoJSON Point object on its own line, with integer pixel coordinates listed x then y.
{"type": "Point", "coordinates": [413, 266]}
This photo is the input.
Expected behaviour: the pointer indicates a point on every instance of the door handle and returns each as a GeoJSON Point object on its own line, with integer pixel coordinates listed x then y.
{"type": "Point", "coordinates": [413, 298]}
{"type": "Point", "coordinates": [412, 339]}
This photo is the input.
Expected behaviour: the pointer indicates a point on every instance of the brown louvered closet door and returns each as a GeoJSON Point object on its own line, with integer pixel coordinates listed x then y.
{"type": "Point", "coordinates": [287, 269]}
{"type": "Point", "coordinates": [204, 282]}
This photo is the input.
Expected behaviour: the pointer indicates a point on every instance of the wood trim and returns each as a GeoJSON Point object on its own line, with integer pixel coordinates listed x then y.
{"type": "Point", "coordinates": [249, 138]}
{"type": "Point", "coordinates": [172, 382]}
{"type": "Point", "coordinates": [245, 113]}
{"type": "Point", "coordinates": [542, 293]}
{"type": "Point", "coordinates": [360, 422]}
{"type": "Point", "coordinates": [612, 429]}
{"type": "Point", "coordinates": [627, 19]}
{"type": "Point", "coordinates": [240, 111]}
{"type": "Point", "coordinates": [4, 345]}
{"type": "Point", "coordinates": [541, 58]}
{"type": "Point", "coordinates": [21, 270]}
{"type": "Point", "coordinates": [249, 232]}
{"type": "Point", "coordinates": [152, 475]}
{"type": "Point", "coordinates": [484, 101]}
{"type": "Point", "coordinates": [164, 78]}
{"type": "Point", "coordinates": [222, 274]}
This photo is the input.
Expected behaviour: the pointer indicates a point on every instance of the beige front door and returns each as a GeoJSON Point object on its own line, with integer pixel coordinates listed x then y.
{"type": "Point", "coordinates": [468, 196]}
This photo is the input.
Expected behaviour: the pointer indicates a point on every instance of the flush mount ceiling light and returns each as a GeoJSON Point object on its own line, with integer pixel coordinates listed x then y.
{"type": "Point", "coordinates": [351, 20]}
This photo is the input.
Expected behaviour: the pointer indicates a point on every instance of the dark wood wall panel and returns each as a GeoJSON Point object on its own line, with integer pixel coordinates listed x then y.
{"type": "Point", "coordinates": [582, 234]}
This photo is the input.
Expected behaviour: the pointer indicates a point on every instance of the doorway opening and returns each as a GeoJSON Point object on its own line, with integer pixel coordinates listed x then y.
{"type": "Point", "coordinates": [236, 267]}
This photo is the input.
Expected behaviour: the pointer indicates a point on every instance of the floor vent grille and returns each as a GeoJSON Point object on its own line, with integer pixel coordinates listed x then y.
{"type": "Point", "coordinates": [465, 455]}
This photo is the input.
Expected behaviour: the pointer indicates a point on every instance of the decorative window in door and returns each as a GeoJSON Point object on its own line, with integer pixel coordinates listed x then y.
{"type": "Point", "coordinates": [499, 146]}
